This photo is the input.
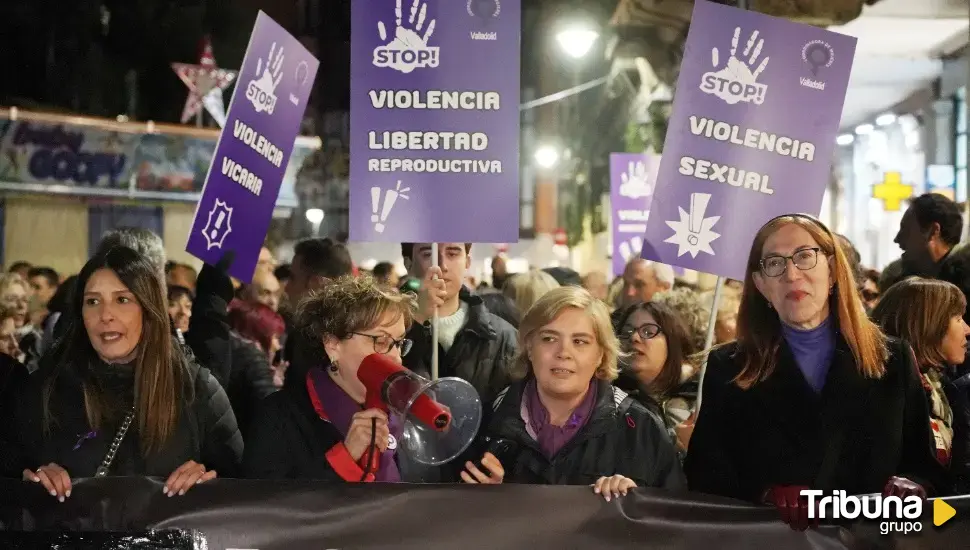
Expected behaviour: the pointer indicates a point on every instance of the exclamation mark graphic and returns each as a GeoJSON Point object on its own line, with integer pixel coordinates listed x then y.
{"type": "Point", "coordinates": [375, 201]}
{"type": "Point", "coordinates": [215, 232]}
{"type": "Point", "coordinates": [698, 206]}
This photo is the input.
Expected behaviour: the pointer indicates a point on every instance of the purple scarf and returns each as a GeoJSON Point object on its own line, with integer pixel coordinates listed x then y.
{"type": "Point", "coordinates": [340, 409]}
{"type": "Point", "coordinates": [552, 438]}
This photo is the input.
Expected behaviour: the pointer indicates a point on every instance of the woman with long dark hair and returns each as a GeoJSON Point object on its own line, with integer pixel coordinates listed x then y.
{"type": "Point", "coordinates": [121, 397]}
{"type": "Point", "coordinates": [656, 369]}
{"type": "Point", "coordinates": [812, 395]}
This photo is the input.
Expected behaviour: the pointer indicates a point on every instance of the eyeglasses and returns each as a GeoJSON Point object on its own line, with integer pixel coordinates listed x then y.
{"type": "Point", "coordinates": [383, 343]}
{"type": "Point", "coordinates": [776, 265]}
{"type": "Point", "coordinates": [646, 331]}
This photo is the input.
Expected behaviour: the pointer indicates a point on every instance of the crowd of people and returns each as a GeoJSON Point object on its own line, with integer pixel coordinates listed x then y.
{"type": "Point", "coordinates": [823, 374]}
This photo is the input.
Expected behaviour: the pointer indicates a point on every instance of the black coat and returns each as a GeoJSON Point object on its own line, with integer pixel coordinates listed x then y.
{"type": "Point", "coordinates": [13, 377]}
{"type": "Point", "coordinates": [287, 439]}
{"type": "Point", "coordinates": [853, 436]}
{"type": "Point", "coordinates": [250, 380]}
{"type": "Point", "coordinates": [481, 354]}
{"type": "Point", "coordinates": [206, 431]}
{"type": "Point", "coordinates": [620, 437]}
{"type": "Point", "coordinates": [957, 390]}
{"type": "Point", "coordinates": [208, 334]}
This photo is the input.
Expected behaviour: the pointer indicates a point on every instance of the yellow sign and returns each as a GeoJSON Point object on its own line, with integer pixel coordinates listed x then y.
{"type": "Point", "coordinates": [942, 512]}
{"type": "Point", "coordinates": [892, 191]}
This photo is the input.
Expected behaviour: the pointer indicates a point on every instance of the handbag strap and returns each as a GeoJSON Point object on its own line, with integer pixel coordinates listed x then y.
{"type": "Point", "coordinates": [109, 457]}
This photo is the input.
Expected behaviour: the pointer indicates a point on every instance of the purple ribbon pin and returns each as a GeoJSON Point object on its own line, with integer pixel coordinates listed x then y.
{"type": "Point", "coordinates": [84, 437]}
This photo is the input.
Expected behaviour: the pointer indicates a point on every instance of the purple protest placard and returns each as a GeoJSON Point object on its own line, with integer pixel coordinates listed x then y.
{"type": "Point", "coordinates": [632, 179]}
{"type": "Point", "coordinates": [751, 137]}
{"type": "Point", "coordinates": [254, 149]}
{"type": "Point", "coordinates": [434, 120]}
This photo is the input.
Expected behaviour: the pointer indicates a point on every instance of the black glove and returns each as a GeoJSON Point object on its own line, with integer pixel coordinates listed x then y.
{"type": "Point", "coordinates": [214, 280]}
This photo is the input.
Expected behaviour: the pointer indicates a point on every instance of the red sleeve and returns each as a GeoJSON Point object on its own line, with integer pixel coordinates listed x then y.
{"type": "Point", "coordinates": [345, 465]}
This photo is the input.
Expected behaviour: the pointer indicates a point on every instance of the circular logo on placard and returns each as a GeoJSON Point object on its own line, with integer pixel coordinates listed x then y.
{"type": "Point", "coordinates": [484, 9]}
{"type": "Point", "coordinates": [302, 73]}
{"type": "Point", "coordinates": [391, 442]}
{"type": "Point", "coordinates": [818, 54]}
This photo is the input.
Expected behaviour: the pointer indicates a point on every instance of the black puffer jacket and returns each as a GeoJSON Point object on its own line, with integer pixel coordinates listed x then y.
{"type": "Point", "coordinates": [620, 438]}
{"type": "Point", "coordinates": [250, 380]}
{"type": "Point", "coordinates": [481, 354]}
{"type": "Point", "coordinates": [206, 431]}
{"type": "Point", "coordinates": [957, 390]}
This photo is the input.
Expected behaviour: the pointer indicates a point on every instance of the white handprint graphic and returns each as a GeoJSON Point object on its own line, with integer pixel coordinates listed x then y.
{"type": "Point", "coordinates": [736, 81]}
{"type": "Point", "coordinates": [408, 49]}
{"type": "Point", "coordinates": [634, 183]}
{"type": "Point", "coordinates": [262, 92]}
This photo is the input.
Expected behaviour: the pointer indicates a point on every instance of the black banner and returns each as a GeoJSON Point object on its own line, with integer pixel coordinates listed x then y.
{"type": "Point", "coordinates": [132, 513]}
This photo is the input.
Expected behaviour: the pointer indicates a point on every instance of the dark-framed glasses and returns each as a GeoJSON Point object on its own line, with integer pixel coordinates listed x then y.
{"type": "Point", "coordinates": [804, 259]}
{"type": "Point", "coordinates": [646, 331]}
{"type": "Point", "coordinates": [384, 343]}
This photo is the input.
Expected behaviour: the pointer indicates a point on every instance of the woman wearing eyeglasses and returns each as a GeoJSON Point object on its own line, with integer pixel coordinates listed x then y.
{"type": "Point", "coordinates": [656, 370]}
{"type": "Point", "coordinates": [316, 426]}
{"type": "Point", "coordinates": [811, 395]}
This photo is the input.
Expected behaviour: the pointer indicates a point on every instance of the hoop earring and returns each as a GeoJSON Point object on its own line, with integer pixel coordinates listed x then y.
{"type": "Point", "coordinates": [334, 367]}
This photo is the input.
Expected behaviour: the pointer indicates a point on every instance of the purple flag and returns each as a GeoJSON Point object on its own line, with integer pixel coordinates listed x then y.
{"type": "Point", "coordinates": [751, 137]}
{"type": "Point", "coordinates": [434, 120]}
{"type": "Point", "coordinates": [254, 149]}
{"type": "Point", "coordinates": [632, 179]}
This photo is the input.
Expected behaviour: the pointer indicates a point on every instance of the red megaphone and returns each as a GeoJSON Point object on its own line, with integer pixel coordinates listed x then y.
{"type": "Point", "coordinates": [391, 387]}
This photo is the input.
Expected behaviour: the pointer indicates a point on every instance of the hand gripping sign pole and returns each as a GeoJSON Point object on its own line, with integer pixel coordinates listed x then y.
{"type": "Point", "coordinates": [709, 340]}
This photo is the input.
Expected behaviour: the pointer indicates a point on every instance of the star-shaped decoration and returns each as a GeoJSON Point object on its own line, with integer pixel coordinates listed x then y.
{"type": "Point", "coordinates": [206, 82]}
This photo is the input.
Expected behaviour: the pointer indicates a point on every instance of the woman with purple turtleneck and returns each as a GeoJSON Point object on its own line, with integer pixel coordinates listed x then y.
{"type": "Point", "coordinates": [812, 395]}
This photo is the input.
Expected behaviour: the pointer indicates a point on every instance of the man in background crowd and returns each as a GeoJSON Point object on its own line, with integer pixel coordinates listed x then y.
{"type": "Point", "coordinates": [930, 228]}
{"type": "Point", "coordinates": [182, 275]}
{"type": "Point", "coordinates": [43, 282]}
{"type": "Point", "coordinates": [265, 289]}
{"type": "Point", "coordinates": [474, 344]}
{"type": "Point", "coordinates": [315, 262]}
{"type": "Point", "coordinates": [644, 278]}
{"type": "Point", "coordinates": [500, 272]}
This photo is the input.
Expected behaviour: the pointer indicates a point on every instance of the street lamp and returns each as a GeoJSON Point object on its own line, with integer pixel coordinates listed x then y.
{"type": "Point", "coordinates": [547, 156]}
{"type": "Point", "coordinates": [577, 40]}
{"type": "Point", "coordinates": [315, 217]}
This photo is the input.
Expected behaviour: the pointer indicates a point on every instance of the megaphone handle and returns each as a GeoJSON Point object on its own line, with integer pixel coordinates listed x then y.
{"type": "Point", "coordinates": [370, 462]}
{"type": "Point", "coordinates": [434, 321]}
